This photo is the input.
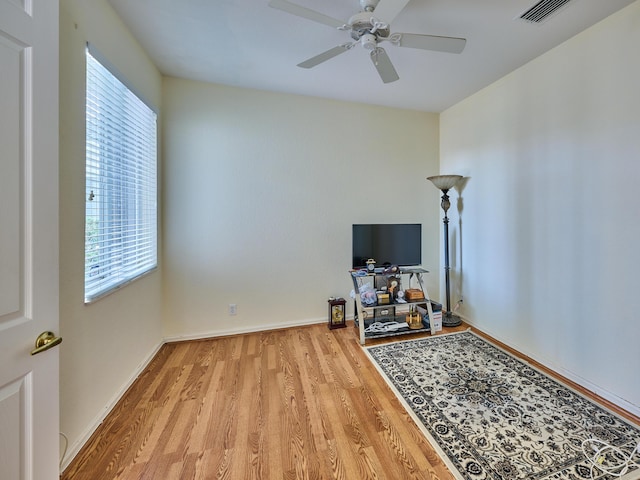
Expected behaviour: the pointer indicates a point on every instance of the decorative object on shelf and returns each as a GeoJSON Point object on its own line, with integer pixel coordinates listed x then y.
{"type": "Point", "coordinates": [413, 294]}
{"type": "Point", "coordinates": [368, 295]}
{"type": "Point", "coordinates": [446, 183]}
{"type": "Point", "coordinates": [391, 270]}
{"type": "Point", "coordinates": [414, 319]}
{"type": "Point", "coordinates": [383, 298]}
{"type": "Point", "coordinates": [384, 314]}
{"type": "Point", "coordinates": [432, 320]}
{"type": "Point", "coordinates": [337, 317]}
{"type": "Point", "coordinates": [371, 265]}
{"type": "Point", "coordinates": [393, 286]}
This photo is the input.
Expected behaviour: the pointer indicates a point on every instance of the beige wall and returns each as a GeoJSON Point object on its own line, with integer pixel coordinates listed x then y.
{"type": "Point", "coordinates": [549, 232]}
{"type": "Point", "coordinates": [106, 342]}
{"type": "Point", "coordinates": [260, 193]}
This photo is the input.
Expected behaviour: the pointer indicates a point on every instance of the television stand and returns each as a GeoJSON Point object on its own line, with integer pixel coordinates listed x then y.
{"type": "Point", "coordinates": [386, 316]}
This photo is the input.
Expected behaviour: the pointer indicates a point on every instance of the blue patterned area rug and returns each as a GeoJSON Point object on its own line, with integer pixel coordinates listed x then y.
{"type": "Point", "coordinates": [493, 416]}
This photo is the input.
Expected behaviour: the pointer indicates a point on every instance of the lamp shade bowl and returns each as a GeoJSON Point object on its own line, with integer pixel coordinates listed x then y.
{"type": "Point", "coordinates": [445, 182]}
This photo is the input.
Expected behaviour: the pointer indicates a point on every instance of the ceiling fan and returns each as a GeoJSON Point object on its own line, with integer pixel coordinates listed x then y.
{"type": "Point", "coordinates": [369, 27]}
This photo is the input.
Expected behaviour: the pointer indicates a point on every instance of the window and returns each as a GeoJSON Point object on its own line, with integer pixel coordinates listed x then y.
{"type": "Point", "coordinates": [121, 184]}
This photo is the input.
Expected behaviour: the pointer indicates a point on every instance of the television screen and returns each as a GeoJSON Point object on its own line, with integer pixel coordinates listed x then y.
{"type": "Point", "coordinates": [388, 244]}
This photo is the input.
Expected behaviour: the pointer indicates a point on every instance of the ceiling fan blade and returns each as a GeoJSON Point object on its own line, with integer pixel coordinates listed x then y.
{"type": "Point", "coordinates": [304, 12]}
{"type": "Point", "coordinates": [431, 42]}
{"type": "Point", "coordinates": [384, 66]}
{"type": "Point", "coordinates": [387, 10]}
{"type": "Point", "coordinates": [324, 56]}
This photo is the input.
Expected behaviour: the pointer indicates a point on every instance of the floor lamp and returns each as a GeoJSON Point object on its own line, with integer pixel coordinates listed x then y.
{"type": "Point", "coordinates": [446, 183]}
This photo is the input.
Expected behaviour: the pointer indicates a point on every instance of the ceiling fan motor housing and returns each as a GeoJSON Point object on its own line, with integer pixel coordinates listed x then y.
{"type": "Point", "coordinates": [361, 24]}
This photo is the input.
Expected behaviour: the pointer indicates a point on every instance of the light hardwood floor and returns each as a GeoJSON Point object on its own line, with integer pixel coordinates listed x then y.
{"type": "Point", "coordinates": [299, 403]}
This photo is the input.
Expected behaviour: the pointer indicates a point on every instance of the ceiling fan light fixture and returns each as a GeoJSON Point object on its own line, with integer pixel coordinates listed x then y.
{"type": "Point", "coordinates": [369, 42]}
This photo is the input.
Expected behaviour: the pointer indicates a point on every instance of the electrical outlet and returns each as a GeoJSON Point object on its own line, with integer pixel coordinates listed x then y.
{"type": "Point", "coordinates": [233, 309]}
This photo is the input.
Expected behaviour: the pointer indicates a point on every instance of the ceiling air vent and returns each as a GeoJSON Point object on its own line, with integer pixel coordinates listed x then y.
{"type": "Point", "coordinates": [543, 10]}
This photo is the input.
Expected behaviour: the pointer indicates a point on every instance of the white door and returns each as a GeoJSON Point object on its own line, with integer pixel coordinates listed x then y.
{"type": "Point", "coordinates": [29, 417]}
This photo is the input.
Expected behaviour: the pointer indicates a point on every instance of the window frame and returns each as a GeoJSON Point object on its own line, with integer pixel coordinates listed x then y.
{"type": "Point", "coordinates": [138, 171]}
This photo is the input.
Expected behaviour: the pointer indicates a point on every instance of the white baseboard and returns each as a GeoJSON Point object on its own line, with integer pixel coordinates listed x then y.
{"type": "Point", "coordinates": [240, 331]}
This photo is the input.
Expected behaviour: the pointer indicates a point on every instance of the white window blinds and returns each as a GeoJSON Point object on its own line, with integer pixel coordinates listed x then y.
{"type": "Point", "coordinates": [121, 184]}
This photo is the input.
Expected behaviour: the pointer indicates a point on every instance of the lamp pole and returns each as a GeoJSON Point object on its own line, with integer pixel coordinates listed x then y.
{"type": "Point", "coordinates": [445, 204]}
{"type": "Point", "coordinates": [445, 183]}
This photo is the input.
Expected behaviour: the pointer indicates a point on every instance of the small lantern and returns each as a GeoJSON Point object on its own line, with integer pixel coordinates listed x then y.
{"type": "Point", "coordinates": [337, 317]}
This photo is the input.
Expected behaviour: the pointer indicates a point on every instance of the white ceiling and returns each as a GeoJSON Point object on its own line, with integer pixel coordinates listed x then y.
{"type": "Point", "coordinates": [246, 43]}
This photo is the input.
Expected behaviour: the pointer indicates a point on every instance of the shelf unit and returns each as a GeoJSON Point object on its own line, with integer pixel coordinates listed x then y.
{"type": "Point", "coordinates": [366, 315]}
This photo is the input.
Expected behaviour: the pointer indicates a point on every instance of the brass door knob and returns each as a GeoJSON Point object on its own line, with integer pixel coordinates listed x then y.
{"type": "Point", "coordinates": [45, 341]}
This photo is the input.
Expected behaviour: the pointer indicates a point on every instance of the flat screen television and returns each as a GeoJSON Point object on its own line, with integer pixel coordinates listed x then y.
{"type": "Point", "coordinates": [388, 244]}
